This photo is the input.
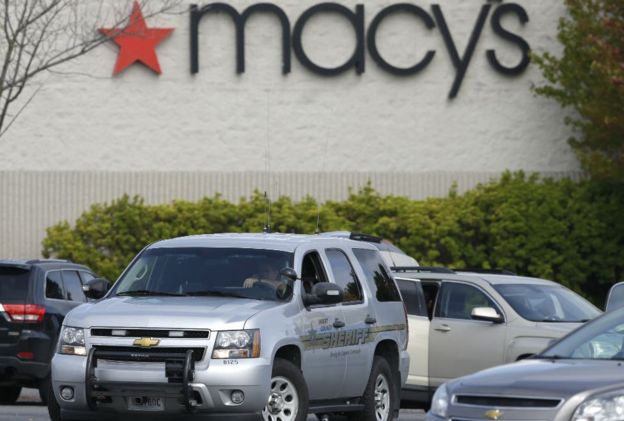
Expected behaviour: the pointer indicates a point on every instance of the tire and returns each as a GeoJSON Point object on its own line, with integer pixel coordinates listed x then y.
{"type": "Point", "coordinates": [44, 390]}
{"type": "Point", "coordinates": [54, 410]}
{"type": "Point", "coordinates": [289, 399]}
{"type": "Point", "coordinates": [9, 394]}
{"type": "Point", "coordinates": [380, 385]}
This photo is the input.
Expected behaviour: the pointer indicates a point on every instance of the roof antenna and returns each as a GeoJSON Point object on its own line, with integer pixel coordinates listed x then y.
{"type": "Point", "coordinates": [267, 226]}
{"type": "Point", "coordinates": [267, 166]}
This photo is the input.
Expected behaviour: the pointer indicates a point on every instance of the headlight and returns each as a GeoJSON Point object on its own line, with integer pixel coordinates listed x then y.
{"type": "Point", "coordinates": [72, 341]}
{"type": "Point", "coordinates": [439, 403]}
{"type": "Point", "coordinates": [237, 344]}
{"type": "Point", "coordinates": [605, 407]}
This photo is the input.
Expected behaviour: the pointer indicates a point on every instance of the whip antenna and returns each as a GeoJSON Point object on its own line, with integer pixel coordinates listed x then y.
{"type": "Point", "coordinates": [267, 167]}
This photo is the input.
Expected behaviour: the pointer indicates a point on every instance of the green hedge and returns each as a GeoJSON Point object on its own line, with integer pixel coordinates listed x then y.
{"type": "Point", "coordinates": [562, 230]}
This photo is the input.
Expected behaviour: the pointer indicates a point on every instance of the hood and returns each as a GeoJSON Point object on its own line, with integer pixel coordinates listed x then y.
{"type": "Point", "coordinates": [215, 313]}
{"type": "Point", "coordinates": [541, 378]}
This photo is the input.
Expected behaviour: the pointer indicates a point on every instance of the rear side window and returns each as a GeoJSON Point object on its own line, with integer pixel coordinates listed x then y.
{"type": "Point", "coordinates": [413, 297]}
{"type": "Point", "coordinates": [344, 276]}
{"type": "Point", "coordinates": [54, 285]}
{"type": "Point", "coordinates": [13, 284]}
{"type": "Point", "coordinates": [377, 275]}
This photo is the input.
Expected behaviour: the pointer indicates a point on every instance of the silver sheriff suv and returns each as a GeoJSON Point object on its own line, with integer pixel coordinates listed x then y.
{"type": "Point", "coordinates": [271, 324]}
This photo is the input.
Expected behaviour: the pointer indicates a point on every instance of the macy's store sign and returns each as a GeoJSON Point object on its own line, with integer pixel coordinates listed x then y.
{"type": "Point", "coordinates": [137, 42]}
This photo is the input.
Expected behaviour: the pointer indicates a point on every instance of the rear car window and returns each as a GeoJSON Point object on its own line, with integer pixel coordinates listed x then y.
{"type": "Point", "coordinates": [377, 275]}
{"type": "Point", "coordinates": [14, 284]}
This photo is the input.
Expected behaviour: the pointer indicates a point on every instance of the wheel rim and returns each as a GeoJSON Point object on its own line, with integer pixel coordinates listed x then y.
{"type": "Point", "coordinates": [382, 398]}
{"type": "Point", "coordinates": [283, 403]}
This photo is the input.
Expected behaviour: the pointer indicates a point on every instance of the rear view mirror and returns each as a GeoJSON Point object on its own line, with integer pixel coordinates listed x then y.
{"type": "Point", "coordinates": [615, 299]}
{"type": "Point", "coordinates": [486, 314]}
{"type": "Point", "coordinates": [289, 273]}
{"type": "Point", "coordinates": [96, 288]}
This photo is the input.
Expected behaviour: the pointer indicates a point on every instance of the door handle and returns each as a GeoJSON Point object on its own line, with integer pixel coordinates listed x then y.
{"type": "Point", "coordinates": [370, 320]}
{"type": "Point", "coordinates": [338, 324]}
{"type": "Point", "coordinates": [443, 328]}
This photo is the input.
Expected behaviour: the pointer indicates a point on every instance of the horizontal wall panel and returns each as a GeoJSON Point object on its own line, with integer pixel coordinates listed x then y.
{"type": "Point", "coordinates": [30, 201]}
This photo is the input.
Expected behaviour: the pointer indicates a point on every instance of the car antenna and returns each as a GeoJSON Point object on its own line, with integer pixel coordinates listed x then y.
{"type": "Point", "coordinates": [267, 209]}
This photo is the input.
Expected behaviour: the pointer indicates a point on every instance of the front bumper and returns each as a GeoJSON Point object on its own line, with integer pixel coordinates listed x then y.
{"type": "Point", "coordinates": [108, 386]}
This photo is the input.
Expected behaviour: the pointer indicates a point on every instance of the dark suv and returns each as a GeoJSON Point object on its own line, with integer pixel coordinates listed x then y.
{"type": "Point", "coordinates": [35, 296]}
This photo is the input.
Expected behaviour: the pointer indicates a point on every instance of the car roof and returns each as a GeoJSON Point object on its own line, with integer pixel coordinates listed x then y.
{"type": "Point", "coordinates": [479, 278]}
{"type": "Point", "coordinates": [268, 241]}
{"type": "Point", "coordinates": [43, 263]}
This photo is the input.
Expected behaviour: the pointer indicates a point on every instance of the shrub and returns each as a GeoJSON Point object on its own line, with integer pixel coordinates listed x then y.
{"type": "Point", "coordinates": [561, 230]}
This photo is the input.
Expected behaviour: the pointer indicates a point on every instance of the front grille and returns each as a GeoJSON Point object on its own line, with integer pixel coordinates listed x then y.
{"type": "Point", "coordinates": [507, 402]}
{"type": "Point", "coordinates": [130, 353]}
{"type": "Point", "coordinates": [152, 333]}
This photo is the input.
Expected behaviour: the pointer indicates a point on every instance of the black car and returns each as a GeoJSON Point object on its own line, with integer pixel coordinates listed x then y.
{"type": "Point", "coordinates": [35, 296]}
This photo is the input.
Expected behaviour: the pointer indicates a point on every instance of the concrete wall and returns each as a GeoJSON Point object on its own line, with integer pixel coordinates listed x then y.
{"type": "Point", "coordinates": [93, 137]}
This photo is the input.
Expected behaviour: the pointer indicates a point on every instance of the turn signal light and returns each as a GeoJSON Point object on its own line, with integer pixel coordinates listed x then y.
{"type": "Point", "coordinates": [25, 313]}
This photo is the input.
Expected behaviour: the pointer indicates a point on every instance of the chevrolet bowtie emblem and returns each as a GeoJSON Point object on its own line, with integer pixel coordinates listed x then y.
{"type": "Point", "coordinates": [146, 342]}
{"type": "Point", "coordinates": [494, 414]}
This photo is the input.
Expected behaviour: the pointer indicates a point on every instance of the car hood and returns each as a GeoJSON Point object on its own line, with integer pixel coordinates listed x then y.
{"type": "Point", "coordinates": [215, 313]}
{"type": "Point", "coordinates": [541, 378]}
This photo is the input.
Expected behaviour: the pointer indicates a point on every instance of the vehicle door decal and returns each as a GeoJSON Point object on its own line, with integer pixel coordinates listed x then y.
{"type": "Point", "coordinates": [343, 338]}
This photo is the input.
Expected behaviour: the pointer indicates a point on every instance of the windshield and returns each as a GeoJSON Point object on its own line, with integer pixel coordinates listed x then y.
{"type": "Point", "coordinates": [600, 339]}
{"type": "Point", "coordinates": [231, 272]}
{"type": "Point", "coordinates": [547, 303]}
{"type": "Point", "coordinates": [13, 284]}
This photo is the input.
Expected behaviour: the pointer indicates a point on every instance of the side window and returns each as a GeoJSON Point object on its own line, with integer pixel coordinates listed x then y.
{"type": "Point", "coordinates": [413, 297]}
{"type": "Point", "coordinates": [73, 286]}
{"type": "Point", "coordinates": [54, 285]}
{"type": "Point", "coordinates": [344, 276]}
{"type": "Point", "coordinates": [377, 274]}
{"type": "Point", "coordinates": [312, 271]}
{"type": "Point", "coordinates": [458, 300]}
{"type": "Point", "coordinates": [86, 276]}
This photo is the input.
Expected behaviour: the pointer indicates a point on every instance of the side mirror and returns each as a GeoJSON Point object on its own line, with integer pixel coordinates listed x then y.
{"type": "Point", "coordinates": [289, 273]}
{"type": "Point", "coordinates": [487, 314]}
{"type": "Point", "coordinates": [96, 288]}
{"type": "Point", "coordinates": [324, 293]}
{"type": "Point", "coordinates": [615, 299]}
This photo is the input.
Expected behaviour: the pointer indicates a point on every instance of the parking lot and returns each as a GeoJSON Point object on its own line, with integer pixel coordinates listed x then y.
{"type": "Point", "coordinates": [30, 408]}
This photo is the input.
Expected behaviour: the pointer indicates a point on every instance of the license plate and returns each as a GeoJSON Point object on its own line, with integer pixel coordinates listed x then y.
{"type": "Point", "coordinates": [146, 403]}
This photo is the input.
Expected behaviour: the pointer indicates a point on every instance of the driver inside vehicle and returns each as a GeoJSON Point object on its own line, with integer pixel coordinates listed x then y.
{"type": "Point", "coordinates": [267, 274]}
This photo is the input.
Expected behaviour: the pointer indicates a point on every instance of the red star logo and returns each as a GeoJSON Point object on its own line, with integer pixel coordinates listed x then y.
{"type": "Point", "coordinates": [137, 42]}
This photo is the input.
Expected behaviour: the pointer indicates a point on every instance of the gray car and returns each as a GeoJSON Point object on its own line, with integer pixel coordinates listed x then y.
{"type": "Point", "coordinates": [579, 378]}
{"type": "Point", "coordinates": [272, 324]}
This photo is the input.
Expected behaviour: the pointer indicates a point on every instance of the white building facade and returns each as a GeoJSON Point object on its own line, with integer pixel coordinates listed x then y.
{"type": "Point", "coordinates": [423, 95]}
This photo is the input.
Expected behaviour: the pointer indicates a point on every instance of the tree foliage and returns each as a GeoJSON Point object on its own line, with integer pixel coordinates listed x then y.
{"type": "Point", "coordinates": [589, 77]}
{"type": "Point", "coordinates": [569, 232]}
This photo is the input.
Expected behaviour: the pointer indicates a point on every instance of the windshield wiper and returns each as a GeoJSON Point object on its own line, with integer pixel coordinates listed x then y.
{"type": "Point", "coordinates": [146, 293]}
{"type": "Point", "coordinates": [219, 294]}
{"type": "Point", "coordinates": [550, 357]}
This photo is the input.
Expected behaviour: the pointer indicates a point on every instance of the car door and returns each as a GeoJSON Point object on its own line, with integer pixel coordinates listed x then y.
{"type": "Point", "coordinates": [323, 367]}
{"type": "Point", "coordinates": [459, 345]}
{"type": "Point", "coordinates": [358, 316]}
{"type": "Point", "coordinates": [418, 346]}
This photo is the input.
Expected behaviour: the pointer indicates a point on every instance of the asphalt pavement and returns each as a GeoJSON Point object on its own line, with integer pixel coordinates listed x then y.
{"type": "Point", "coordinates": [30, 408]}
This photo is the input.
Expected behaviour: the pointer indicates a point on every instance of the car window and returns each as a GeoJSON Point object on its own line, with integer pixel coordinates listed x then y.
{"type": "Point", "coordinates": [208, 271]}
{"type": "Point", "coordinates": [312, 271]}
{"type": "Point", "coordinates": [54, 285]}
{"type": "Point", "coordinates": [86, 276]}
{"type": "Point", "coordinates": [377, 274]}
{"type": "Point", "coordinates": [602, 338]}
{"type": "Point", "coordinates": [13, 284]}
{"type": "Point", "coordinates": [547, 303]}
{"type": "Point", "coordinates": [457, 301]}
{"type": "Point", "coordinates": [73, 286]}
{"type": "Point", "coordinates": [616, 297]}
{"type": "Point", "coordinates": [413, 297]}
{"type": "Point", "coordinates": [344, 276]}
